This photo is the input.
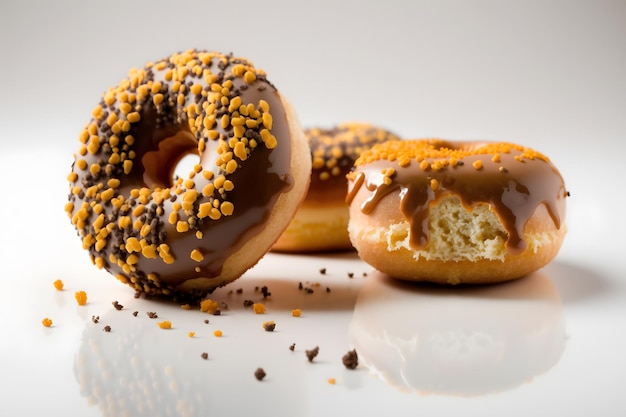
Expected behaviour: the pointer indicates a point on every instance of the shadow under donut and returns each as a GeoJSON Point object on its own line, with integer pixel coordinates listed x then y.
{"type": "Point", "coordinates": [462, 341]}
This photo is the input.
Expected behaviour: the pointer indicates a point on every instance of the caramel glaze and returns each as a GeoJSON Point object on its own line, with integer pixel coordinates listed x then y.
{"type": "Point", "coordinates": [514, 183]}
{"type": "Point", "coordinates": [104, 202]}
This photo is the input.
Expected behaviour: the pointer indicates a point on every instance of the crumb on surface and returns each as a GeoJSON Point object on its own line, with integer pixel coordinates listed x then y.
{"type": "Point", "coordinates": [58, 284]}
{"type": "Point", "coordinates": [265, 291]}
{"type": "Point", "coordinates": [296, 312]}
{"type": "Point", "coordinates": [258, 308]}
{"type": "Point", "coordinates": [135, 313]}
{"type": "Point", "coordinates": [186, 307]}
{"type": "Point", "coordinates": [204, 355]}
{"type": "Point", "coordinates": [209, 306]}
{"type": "Point", "coordinates": [165, 324]}
{"type": "Point", "coordinates": [269, 326]}
{"type": "Point", "coordinates": [323, 271]}
{"type": "Point", "coordinates": [191, 334]}
{"type": "Point", "coordinates": [107, 328]}
{"type": "Point", "coordinates": [46, 322]}
{"type": "Point", "coordinates": [332, 381]}
{"type": "Point", "coordinates": [117, 305]}
{"type": "Point", "coordinates": [81, 297]}
{"type": "Point", "coordinates": [311, 354]}
{"type": "Point", "coordinates": [95, 319]}
{"type": "Point", "coordinates": [292, 347]}
{"type": "Point", "coordinates": [351, 359]}
{"type": "Point", "coordinates": [259, 374]}
{"type": "Point", "coordinates": [152, 314]}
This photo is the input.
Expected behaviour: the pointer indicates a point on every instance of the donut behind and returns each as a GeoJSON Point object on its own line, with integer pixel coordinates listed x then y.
{"type": "Point", "coordinates": [321, 222]}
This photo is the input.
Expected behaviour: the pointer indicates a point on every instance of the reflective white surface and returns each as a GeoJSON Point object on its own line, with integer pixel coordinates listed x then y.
{"type": "Point", "coordinates": [545, 74]}
{"type": "Point", "coordinates": [558, 334]}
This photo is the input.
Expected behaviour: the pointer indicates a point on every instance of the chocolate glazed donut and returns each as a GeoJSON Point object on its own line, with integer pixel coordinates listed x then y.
{"type": "Point", "coordinates": [163, 235]}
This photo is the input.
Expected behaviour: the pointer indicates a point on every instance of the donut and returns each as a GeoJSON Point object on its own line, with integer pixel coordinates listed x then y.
{"type": "Point", "coordinates": [187, 234]}
{"type": "Point", "coordinates": [456, 212]}
{"type": "Point", "coordinates": [321, 222]}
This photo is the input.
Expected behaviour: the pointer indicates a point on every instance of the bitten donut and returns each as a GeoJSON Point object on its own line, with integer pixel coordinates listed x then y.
{"type": "Point", "coordinates": [321, 222]}
{"type": "Point", "coordinates": [191, 234]}
{"type": "Point", "coordinates": [456, 212]}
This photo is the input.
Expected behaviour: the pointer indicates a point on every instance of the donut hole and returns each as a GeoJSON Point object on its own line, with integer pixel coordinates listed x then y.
{"type": "Point", "coordinates": [173, 157]}
{"type": "Point", "coordinates": [185, 165]}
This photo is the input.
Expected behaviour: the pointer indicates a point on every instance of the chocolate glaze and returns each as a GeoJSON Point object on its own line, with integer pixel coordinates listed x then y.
{"type": "Point", "coordinates": [513, 189]}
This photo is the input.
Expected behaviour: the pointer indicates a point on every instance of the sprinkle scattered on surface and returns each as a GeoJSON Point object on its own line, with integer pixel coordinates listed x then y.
{"type": "Point", "coordinates": [81, 298]}
{"type": "Point", "coordinates": [311, 354]}
{"type": "Point", "coordinates": [296, 312]}
{"type": "Point", "coordinates": [58, 284]}
{"type": "Point", "coordinates": [209, 306]}
{"type": "Point", "coordinates": [269, 326]}
{"type": "Point", "coordinates": [46, 322]}
{"type": "Point", "coordinates": [351, 359]}
{"type": "Point", "coordinates": [259, 308]}
{"type": "Point", "coordinates": [259, 374]}
{"type": "Point", "coordinates": [218, 333]}
{"type": "Point", "coordinates": [165, 324]}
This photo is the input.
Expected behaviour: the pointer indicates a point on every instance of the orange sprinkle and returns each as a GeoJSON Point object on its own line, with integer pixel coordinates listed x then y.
{"type": "Point", "coordinates": [477, 164]}
{"type": "Point", "coordinates": [58, 284]}
{"type": "Point", "coordinates": [217, 333]}
{"type": "Point", "coordinates": [209, 306]}
{"type": "Point", "coordinates": [81, 298]}
{"type": "Point", "coordinates": [296, 312]}
{"type": "Point", "coordinates": [46, 322]}
{"type": "Point", "coordinates": [332, 381]}
{"type": "Point", "coordinates": [191, 334]}
{"type": "Point", "coordinates": [258, 308]}
{"type": "Point", "coordinates": [165, 324]}
{"type": "Point", "coordinates": [439, 151]}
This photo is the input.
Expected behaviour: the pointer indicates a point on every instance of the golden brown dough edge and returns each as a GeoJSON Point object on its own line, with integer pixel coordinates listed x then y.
{"type": "Point", "coordinates": [543, 237]}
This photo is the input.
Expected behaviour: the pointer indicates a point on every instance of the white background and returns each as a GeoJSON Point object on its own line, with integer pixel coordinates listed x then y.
{"type": "Point", "coordinates": [546, 74]}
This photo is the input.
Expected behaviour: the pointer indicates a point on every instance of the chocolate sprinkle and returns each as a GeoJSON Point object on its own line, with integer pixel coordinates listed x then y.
{"type": "Point", "coordinates": [259, 374]}
{"type": "Point", "coordinates": [351, 359]}
{"type": "Point", "coordinates": [311, 354]}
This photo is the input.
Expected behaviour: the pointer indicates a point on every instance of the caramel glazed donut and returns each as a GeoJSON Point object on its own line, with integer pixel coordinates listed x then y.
{"type": "Point", "coordinates": [188, 236]}
{"type": "Point", "coordinates": [321, 222]}
{"type": "Point", "coordinates": [456, 212]}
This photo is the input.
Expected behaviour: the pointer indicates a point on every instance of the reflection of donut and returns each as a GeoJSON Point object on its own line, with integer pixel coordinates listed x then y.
{"type": "Point", "coordinates": [453, 212]}
{"type": "Point", "coordinates": [191, 234]}
{"type": "Point", "coordinates": [123, 373]}
{"type": "Point", "coordinates": [458, 341]}
{"type": "Point", "coordinates": [321, 222]}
